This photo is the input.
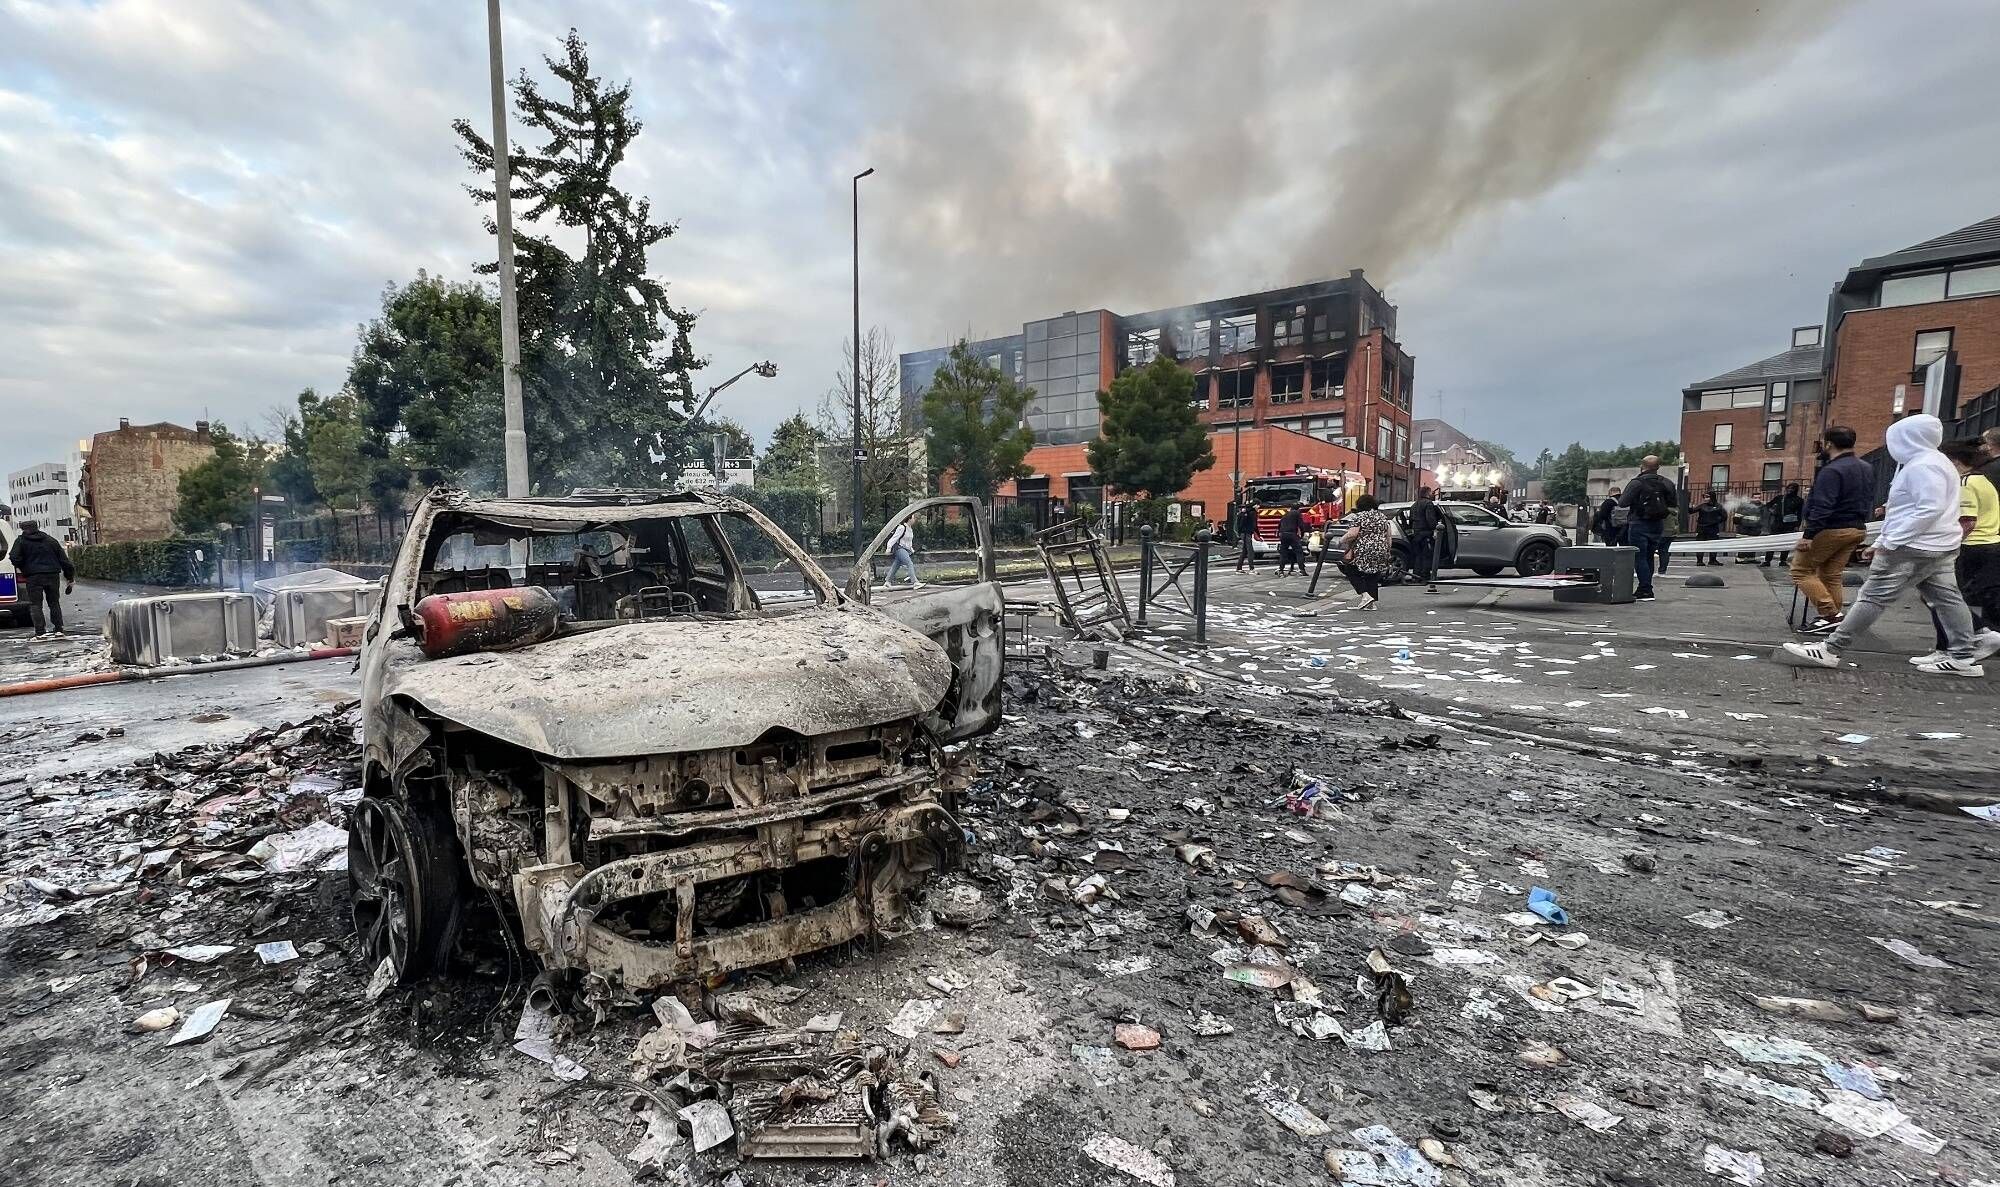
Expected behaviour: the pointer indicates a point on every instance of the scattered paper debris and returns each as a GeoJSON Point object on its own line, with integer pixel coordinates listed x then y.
{"type": "Point", "coordinates": [1735, 1165]}
{"type": "Point", "coordinates": [1910, 954]}
{"type": "Point", "coordinates": [200, 1023]}
{"type": "Point", "coordinates": [1122, 1156]}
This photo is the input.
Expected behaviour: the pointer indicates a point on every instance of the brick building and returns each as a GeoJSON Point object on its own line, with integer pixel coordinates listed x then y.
{"type": "Point", "coordinates": [1928, 314]}
{"type": "Point", "coordinates": [1308, 375]}
{"type": "Point", "coordinates": [1749, 431]}
{"type": "Point", "coordinates": [131, 482]}
{"type": "Point", "coordinates": [1916, 324]}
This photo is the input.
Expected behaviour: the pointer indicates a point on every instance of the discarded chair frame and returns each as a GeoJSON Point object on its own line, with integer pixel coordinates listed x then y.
{"type": "Point", "coordinates": [1022, 646]}
{"type": "Point", "coordinates": [1173, 564]}
{"type": "Point", "coordinates": [1079, 569]}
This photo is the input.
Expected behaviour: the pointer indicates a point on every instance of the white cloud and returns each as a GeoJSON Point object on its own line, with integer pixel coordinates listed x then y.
{"type": "Point", "coordinates": [199, 199]}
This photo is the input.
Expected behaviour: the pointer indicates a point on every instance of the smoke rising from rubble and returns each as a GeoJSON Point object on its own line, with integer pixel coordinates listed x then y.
{"type": "Point", "coordinates": [1062, 156]}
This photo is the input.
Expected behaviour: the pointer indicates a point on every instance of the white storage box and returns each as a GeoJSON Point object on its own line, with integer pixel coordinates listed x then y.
{"type": "Point", "coordinates": [150, 631]}
{"type": "Point", "coordinates": [299, 616]}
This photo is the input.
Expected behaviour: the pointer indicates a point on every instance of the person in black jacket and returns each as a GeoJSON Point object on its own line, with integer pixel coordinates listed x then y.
{"type": "Point", "coordinates": [1291, 542]}
{"type": "Point", "coordinates": [1600, 523]}
{"type": "Point", "coordinates": [1782, 514]}
{"type": "Point", "coordinates": [1425, 518]}
{"type": "Point", "coordinates": [1835, 521]}
{"type": "Point", "coordinates": [1651, 499]}
{"type": "Point", "coordinates": [38, 561]}
{"type": "Point", "coordinates": [1708, 519]}
{"type": "Point", "coordinates": [1246, 531]}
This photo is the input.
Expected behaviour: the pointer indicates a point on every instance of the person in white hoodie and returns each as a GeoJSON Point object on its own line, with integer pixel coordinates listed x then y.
{"type": "Point", "coordinates": [1917, 548]}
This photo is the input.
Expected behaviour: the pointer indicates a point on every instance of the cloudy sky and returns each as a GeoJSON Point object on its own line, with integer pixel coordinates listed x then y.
{"type": "Point", "coordinates": [1578, 207]}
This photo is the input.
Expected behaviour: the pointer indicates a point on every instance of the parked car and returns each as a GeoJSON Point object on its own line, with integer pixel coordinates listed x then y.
{"type": "Point", "coordinates": [658, 768]}
{"type": "Point", "coordinates": [1487, 543]}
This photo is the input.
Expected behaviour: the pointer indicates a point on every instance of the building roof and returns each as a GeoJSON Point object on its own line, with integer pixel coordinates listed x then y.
{"type": "Point", "coordinates": [1975, 241]}
{"type": "Point", "coordinates": [1986, 231]}
{"type": "Point", "coordinates": [1800, 362]}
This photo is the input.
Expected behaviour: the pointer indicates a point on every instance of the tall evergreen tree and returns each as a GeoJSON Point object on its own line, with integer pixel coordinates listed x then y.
{"type": "Point", "coordinates": [792, 457]}
{"type": "Point", "coordinates": [606, 360]}
{"type": "Point", "coordinates": [1152, 442]}
{"type": "Point", "coordinates": [972, 424]}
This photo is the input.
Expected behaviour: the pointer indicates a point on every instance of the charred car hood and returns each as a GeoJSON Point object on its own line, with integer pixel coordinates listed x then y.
{"type": "Point", "coordinates": [681, 685]}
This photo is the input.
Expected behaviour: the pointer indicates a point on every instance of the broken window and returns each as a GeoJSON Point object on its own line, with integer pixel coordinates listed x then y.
{"type": "Point", "coordinates": [1329, 378]}
{"type": "Point", "coordinates": [1931, 346]}
{"type": "Point", "coordinates": [1200, 397]}
{"type": "Point", "coordinates": [1198, 337]}
{"type": "Point", "coordinates": [1142, 348]}
{"type": "Point", "coordinates": [1288, 326]}
{"type": "Point", "coordinates": [1288, 384]}
{"type": "Point", "coordinates": [1238, 333]}
{"type": "Point", "coordinates": [1774, 434]}
{"type": "Point", "coordinates": [1237, 388]}
{"type": "Point", "coordinates": [1319, 327]}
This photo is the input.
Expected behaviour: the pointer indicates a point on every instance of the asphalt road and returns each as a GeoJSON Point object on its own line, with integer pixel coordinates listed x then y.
{"type": "Point", "coordinates": [1445, 821]}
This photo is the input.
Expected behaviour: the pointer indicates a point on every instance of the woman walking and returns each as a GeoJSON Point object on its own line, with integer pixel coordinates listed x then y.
{"type": "Point", "coordinates": [1368, 556]}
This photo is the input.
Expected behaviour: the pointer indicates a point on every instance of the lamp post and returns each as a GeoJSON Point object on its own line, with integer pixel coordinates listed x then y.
{"type": "Point", "coordinates": [516, 437]}
{"type": "Point", "coordinates": [856, 411]}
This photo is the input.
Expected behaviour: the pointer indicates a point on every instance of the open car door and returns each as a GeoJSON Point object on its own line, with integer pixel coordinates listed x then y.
{"type": "Point", "coordinates": [965, 620]}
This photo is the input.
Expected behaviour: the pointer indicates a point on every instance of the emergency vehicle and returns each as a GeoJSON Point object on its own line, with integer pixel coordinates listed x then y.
{"type": "Point", "coordinates": [12, 608]}
{"type": "Point", "coordinates": [1322, 493]}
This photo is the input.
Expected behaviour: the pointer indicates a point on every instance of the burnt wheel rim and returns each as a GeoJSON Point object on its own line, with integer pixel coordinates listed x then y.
{"type": "Point", "coordinates": [379, 869]}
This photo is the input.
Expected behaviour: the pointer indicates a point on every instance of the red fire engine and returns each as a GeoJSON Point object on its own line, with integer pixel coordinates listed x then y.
{"type": "Point", "coordinates": [1321, 493]}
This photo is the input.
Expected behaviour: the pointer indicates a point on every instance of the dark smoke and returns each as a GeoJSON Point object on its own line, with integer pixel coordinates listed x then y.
{"type": "Point", "coordinates": [1048, 155]}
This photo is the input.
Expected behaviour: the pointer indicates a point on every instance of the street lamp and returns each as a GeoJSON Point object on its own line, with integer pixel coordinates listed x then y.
{"type": "Point", "coordinates": [856, 411]}
{"type": "Point", "coordinates": [767, 369]}
{"type": "Point", "coordinates": [516, 436]}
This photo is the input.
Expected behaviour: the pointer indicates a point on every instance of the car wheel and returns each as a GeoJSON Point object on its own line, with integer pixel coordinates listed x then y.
{"type": "Point", "coordinates": [1399, 570]}
{"type": "Point", "coordinates": [1536, 560]}
{"type": "Point", "coordinates": [407, 884]}
{"type": "Point", "coordinates": [1487, 570]}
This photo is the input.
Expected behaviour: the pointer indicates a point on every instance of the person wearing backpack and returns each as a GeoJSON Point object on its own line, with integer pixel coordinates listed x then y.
{"type": "Point", "coordinates": [1650, 499]}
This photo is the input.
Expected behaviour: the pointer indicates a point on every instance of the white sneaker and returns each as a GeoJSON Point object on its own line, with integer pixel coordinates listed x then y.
{"type": "Point", "coordinates": [1929, 657]}
{"type": "Point", "coordinates": [1368, 603]}
{"type": "Point", "coordinates": [1816, 654]}
{"type": "Point", "coordinates": [1947, 666]}
{"type": "Point", "coordinates": [1986, 645]}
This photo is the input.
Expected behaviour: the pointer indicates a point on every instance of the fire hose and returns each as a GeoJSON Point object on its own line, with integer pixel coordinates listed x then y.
{"type": "Point", "coordinates": [86, 679]}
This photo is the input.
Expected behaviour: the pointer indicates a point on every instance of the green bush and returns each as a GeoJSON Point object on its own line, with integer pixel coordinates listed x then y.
{"type": "Point", "coordinates": [148, 562]}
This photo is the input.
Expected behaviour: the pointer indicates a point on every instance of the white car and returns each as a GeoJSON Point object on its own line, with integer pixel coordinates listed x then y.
{"type": "Point", "coordinates": [10, 585]}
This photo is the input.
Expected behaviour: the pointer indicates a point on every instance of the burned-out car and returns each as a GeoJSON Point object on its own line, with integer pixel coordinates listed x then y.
{"type": "Point", "coordinates": [607, 718]}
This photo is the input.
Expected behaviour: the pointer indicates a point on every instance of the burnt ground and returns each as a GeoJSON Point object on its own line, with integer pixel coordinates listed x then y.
{"type": "Point", "coordinates": [1433, 834]}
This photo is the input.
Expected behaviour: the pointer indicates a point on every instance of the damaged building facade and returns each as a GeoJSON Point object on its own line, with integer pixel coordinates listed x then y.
{"type": "Point", "coordinates": [1311, 375]}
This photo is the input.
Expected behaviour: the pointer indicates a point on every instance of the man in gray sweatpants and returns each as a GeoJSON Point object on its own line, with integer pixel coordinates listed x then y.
{"type": "Point", "coordinates": [1918, 548]}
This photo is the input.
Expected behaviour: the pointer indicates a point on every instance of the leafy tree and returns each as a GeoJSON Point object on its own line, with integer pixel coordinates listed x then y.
{"type": "Point", "coordinates": [606, 361]}
{"type": "Point", "coordinates": [1501, 454]}
{"type": "Point", "coordinates": [1152, 442]}
{"type": "Point", "coordinates": [1669, 452]}
{"type": "Point", "coordinates": [889, 474]}
{"type": "Point", "coordinates": [343, 471]}
{"type": "Point", "coordinates": [425, 379]}
{"type": "Point", "coordinates": [219, 489]}
{"type": "Point", "coordinates": [290, 471]}
{"type": "Point", "coordinates": [1543, 461]}
{"type": "Point", "coordinates": [1568, 474]}
{"type": "Point", "coordinates": [792, 457]}
{"type": "Point", "coordinates": [972, 424]}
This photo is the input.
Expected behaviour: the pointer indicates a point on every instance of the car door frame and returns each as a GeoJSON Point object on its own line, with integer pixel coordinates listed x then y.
{"type": "Point", "coordinates": [1484, 542]}
{"type": "Point", "coordinates": [968, 621]}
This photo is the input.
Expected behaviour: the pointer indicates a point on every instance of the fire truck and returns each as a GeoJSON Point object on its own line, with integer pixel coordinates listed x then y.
{"type": "Point", "coordinates": [1322, 493]}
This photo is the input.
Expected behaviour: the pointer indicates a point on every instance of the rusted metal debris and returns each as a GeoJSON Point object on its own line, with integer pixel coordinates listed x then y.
{"type": "Point", "coordinates": [1088, 598]}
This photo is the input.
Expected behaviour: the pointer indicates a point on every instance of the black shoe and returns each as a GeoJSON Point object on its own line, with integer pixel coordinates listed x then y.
{"type": "Point", "coordinates": [1821, 626]}
{"type": "Point", "coordinates": [1644, 595]}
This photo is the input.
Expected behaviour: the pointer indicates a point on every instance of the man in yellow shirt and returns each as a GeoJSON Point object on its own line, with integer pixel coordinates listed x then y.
{"type": "Point", "coordinates": [1978, 565]}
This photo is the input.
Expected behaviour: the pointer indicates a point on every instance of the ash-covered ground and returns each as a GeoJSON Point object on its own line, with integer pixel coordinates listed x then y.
{"type": "Point", "coordinates": [1168, 975]}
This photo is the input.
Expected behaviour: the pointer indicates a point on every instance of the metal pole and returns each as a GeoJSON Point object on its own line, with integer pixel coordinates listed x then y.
{"type": "Point", "coordinates": [1202, 540]}
{"type": "Point", "coordinates": [856, 471]}
{"type": "Point", "coordinates": [510, 329]}
{"type": "Point", "coordinates": [1145, 569]}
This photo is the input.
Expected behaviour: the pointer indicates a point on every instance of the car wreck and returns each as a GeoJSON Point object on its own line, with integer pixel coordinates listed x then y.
{"type": "Point", "coordinates": [648, 731]}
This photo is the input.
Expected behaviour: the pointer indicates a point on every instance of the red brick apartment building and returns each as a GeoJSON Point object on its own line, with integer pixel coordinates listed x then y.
{"type": "Point", "coordinates": [1918, 324]}
{"type": "Point", "coordinates": [1308, 375]}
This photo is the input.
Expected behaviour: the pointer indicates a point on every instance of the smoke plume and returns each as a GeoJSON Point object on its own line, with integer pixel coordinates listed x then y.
{"type": "Point", "coordinates": [1043, 155]}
